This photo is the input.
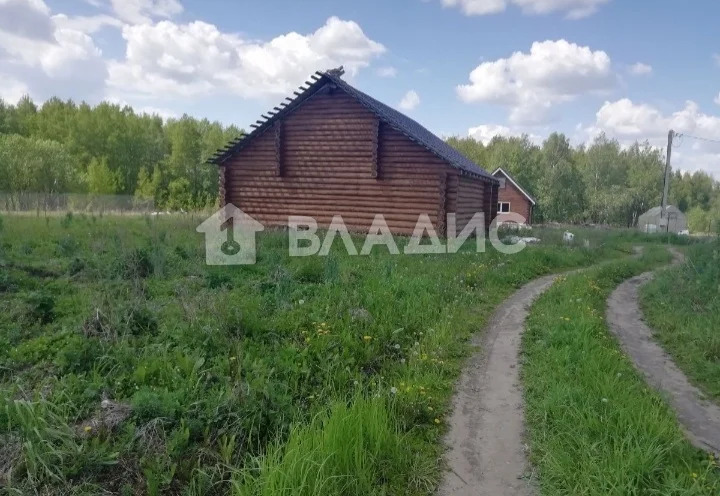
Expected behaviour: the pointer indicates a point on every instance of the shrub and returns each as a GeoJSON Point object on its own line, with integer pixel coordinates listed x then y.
{"type": "Point", "coordinates": [6, 283]}
{"type": "Point", "coordinates": [78, 355]}
{"type": "Point", "coordinates": [311, 270]}
{"type": "Point", "coordinates": [137, 264]}
{"type": "Point", "coordinates": [139, 320]}
{"type": "Point", "coordinates": [149, 404]}
{"type": "Point", "coordinates": [67, 220]}
{"type": "Point", "coordinates": [217, 279]}
{"type": "Point", "coordinates": [67, 246]}
{"type": "Point", "coordinates": [76, 266]}
{"type": "Point", "coordinates": [41, 307]}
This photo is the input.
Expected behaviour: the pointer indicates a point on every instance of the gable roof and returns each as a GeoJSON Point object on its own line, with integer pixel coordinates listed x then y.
{"type": "Point", "coordinates": [402, 123]}
{"type": "Point", "coordinates": [527, 195]}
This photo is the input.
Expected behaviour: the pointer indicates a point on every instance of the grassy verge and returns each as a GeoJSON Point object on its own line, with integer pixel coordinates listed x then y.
{"type": "Point", "coordinates": [682, 305]}
{"type": "Point", "coordinates": [128, 365]}
{"type": "Point", "coordinates": [594, 426]}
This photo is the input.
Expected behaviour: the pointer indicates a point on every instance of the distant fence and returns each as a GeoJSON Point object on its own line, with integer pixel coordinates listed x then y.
{"type": "Point", "coordinates": [70, 202]}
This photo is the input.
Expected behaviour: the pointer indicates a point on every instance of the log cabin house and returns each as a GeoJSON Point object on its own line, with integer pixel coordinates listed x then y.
{"type": "Point", "coordinates": [512, 198]}
{"type": "Point", "coordinates": [333, 150]}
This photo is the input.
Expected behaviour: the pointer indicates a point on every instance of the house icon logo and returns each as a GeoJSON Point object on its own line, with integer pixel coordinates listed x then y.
{"type": "Point", "coordinates": [230, 237]}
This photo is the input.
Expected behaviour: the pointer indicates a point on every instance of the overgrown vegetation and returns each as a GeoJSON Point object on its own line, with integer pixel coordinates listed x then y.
{"type": "Point", "coordinates": [594, 426]}
{"type": "Point", "coordinates": [682, 305]}
{"type": "Point", "coordinates": [601, 183]}
{"type": "Point", "coordinates": [128, 365]}
{"type": "Point", "coordinates": [64, 147]}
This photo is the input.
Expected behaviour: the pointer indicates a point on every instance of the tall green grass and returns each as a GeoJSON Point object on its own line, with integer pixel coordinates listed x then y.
{"type": "Point", "coordinates": [594, 426]}
{"type": "Point", "coordinates": [351, 449]}
{"type": "Point", "coordinates": [219, 368]}
{"type": "Point", "coordinates": [682, 304]}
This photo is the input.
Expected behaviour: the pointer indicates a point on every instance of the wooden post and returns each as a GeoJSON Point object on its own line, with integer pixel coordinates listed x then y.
{"type": "Point", "coordinates": [666, 186]}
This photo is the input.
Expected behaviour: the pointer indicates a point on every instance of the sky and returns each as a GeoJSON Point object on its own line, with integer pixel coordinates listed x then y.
{"type": "Point", "coordinates": [631, 69]}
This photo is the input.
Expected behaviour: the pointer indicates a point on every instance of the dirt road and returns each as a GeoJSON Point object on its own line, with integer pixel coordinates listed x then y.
{"type": "Point", "coordinates": [699, 418]}
{"type": "Point", "coordinates": [486, 439]}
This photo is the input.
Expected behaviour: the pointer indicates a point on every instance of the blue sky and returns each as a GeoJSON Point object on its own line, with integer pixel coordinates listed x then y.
{"type": "Point", "coordinates": [631, 69]}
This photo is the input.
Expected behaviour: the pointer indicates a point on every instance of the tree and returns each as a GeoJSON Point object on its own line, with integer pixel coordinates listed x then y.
{"type": "Point", "coordinates": [150, 186]}
{"type": "Point", "coordinates": [518, 156]}
{"type": "Point", "coordinates": [699, 220]}
{"type": "Point", "coordinates": [179, 194]}
{"type": "Point", "coordinates": [562, 191]}
{"type": "Point", "coordinates": [100, 179]}
{"type": "Point", "coordinates": [24, 116]}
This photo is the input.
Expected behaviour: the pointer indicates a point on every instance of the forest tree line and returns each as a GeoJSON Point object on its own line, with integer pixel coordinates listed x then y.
{"type": "Point", "coordinates": [598, 183]}
{"type": "Point", "coordinates": [108, 149]}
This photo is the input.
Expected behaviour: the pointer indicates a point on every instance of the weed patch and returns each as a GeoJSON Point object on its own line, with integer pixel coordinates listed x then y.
{"type": "Point", "coordinates": [682, 305]}
{"type": "Point", "coordinates": [330, 374]}
{"type": "Point", "coordinates": [594, 426]}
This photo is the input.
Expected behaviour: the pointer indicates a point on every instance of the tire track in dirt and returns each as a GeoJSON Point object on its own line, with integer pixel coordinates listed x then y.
{"type": "Point", "coordinates": [699, 418]}
{"type": "Point", "coordinates": [486, 448]}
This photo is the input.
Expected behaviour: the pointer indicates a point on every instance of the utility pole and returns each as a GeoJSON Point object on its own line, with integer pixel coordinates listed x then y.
{"type": "Point", "coordinates": [664, 215]}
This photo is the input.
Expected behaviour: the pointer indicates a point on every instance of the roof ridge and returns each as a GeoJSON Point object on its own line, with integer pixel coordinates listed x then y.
{"type": "Point", "coordinates": [404, 124]}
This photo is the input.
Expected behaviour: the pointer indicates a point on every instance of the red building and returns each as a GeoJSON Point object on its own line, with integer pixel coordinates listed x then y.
{"type": "Point", "coordinates": [513, 198]}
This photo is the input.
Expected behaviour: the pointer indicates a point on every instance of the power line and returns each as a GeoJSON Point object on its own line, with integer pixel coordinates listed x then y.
{"type": "Point", "coordinates": [710, 140]}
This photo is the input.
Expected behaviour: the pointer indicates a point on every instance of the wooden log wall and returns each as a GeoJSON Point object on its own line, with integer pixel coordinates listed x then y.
{"type": "Point", "coordinates": [470, 200]}
{"type": "Point", "coordinates": [337, 159]}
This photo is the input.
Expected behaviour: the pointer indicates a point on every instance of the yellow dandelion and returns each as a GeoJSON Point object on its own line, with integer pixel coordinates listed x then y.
{"type": "Point", "coordinates": [437, 420]}
{"type": "Point", "coordinates": [88, 428]}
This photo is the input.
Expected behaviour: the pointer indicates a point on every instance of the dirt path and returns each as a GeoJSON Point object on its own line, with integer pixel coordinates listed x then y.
{"type": "Point", "coordinates": [486, 439]}
{"type": "Point", "coordinates": [699, 418]}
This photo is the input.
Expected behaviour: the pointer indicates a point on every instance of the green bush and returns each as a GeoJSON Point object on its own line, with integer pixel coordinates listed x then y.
{"type": "Point", "coordinates": [137, 319]}
{"type": "Point", "coordinates": [67, 246]}
{"type": "Point", "coordinates": [311, 270]}
{"type": "Point", "coordinates": [41, 307]}
{"type": "Point", "coordinates": [137, 264]}
{"type": "Point", "coordinates": [150, 403]}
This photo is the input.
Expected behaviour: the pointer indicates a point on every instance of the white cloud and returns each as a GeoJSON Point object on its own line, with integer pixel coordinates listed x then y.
{"type": "Point", "coordinates": [63, 62]}
{"type": "Point", "coordinates": [628, 121]}
{"type": "Point", "coordinates": [639, 120]}
{"type": "Point", "coordinates": [410, 101]}
{"type": "Point", "coordinates": [197, 58]}
{"type": "Point", "coordinates": [143, 11]}
{"type": "Point", "coordinates": [26, 19]}
{"type": "Point", "coordinates": [486, 132]}
{"type": "Point", "coordinates": [531, 83]}
{"type": "Point", "coordinates": [86, 24]}
{"type": "Point", "coordinates": [640, 69]}
{"type": "Point", "coordinates": [11, 90]}
{"type": "Point", "coordinates": [387, 72]}
{"type": "Point", "coordinates": [716, 58]}
{"type": "Point", "coordinates": [162, 112]}
{"type": "Point", "coordinates": [573, 9]}
{"type": "Point", "coordinates": [717, 99]}
{"type": "Point", "coordinates": [477, 7]}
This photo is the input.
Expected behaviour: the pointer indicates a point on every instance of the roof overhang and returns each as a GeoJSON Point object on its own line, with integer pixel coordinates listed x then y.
{"type": "Point", "coordinates": [509, 177]}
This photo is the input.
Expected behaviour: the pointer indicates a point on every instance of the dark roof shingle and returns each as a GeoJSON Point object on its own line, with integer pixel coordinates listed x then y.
{"type": "Point", "coordinates": [388, 115]}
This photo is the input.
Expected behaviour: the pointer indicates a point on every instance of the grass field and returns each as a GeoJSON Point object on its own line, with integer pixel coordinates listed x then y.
{"type": "Point", "coordinates": [594, 426]}
{"type": "Point", "coordinates": [128, 365]}
{"type": "Point", "coordinates": [682, 305]}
